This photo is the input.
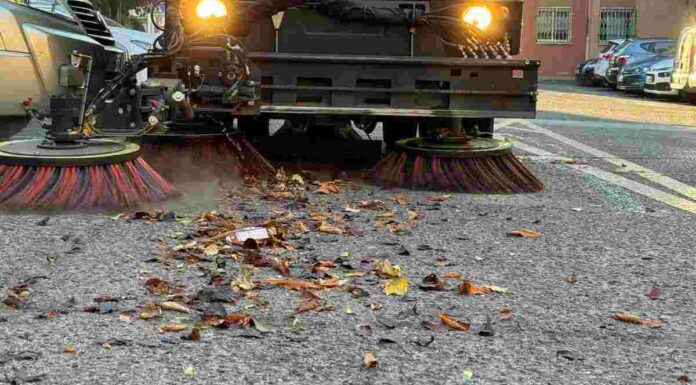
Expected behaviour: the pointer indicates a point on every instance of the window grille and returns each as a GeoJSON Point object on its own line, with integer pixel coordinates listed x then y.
{"type": "Point", "coordinates": [553, 25]}
{"type": "Point", "coordinates": [617, 23]}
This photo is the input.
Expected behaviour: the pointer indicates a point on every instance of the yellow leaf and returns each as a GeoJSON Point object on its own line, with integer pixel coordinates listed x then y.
{"type": "Point", "coordinates": [412, 215]}
{"type": "Point", "coordinates": [370, 360]}
{"type": "Point", "coordinates": [396, 286]}
{"type": "Point", "coordinates": [106, 346]}
{"type": "Point", "coordinates": [301, 227]}
{"type": "Point", "coordinates": [329, 188]}
{"type": "Point", "coordinates": [190, 371]}
{"type": "Point", "coordinates": [174, 306]}
{"type": "Point", "coordinates": [390, 270]}
{"type": "Point", "coordinates": [187, 246]}
{"type": "Point", "coordinates": [297, 178]}
{"type": "Point", "coordinates": [171, 328]}
{"type": "Point", "coordinates": [348, 309]}
{"type": "Point", "coordinates": [150, 311]}
{"type": "Point", "coordinates": [469, 288]}
{"type": "Point", "coordinates": [212, 250]}
{"type": "Point", "coordinates": [524, 233]}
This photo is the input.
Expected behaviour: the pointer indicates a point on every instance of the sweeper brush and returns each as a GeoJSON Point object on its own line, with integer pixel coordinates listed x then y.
{"type": "Point", "coordinates": [465, 164]}
{"type": "Point", "coordinates": [222, 154]}
{"type": "Point", "coordinates": [40, 175]}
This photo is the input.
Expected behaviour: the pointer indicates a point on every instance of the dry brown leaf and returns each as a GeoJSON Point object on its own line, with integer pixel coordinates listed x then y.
{"type": "Point", "coordinates": [571, 278]}
{"type": "Point", "coordinates": [683, 379]}
{"type": "Point", "coordinates": [453, 323]}
{"type": "Point", "coordinates": [282, 266]}
{"type": "Point", "coordinates": [506, 313]}
{"type": "Point", "coordinates": [390, 270]}
{"type": "Point", "coordinates": [439, 198]}
{"type": "Point", "coordinates": [370, 360]}
{"type": "Point", "coordinates": [412, 215]}
{"type": "Point", "coordinates": [386, 215]}
{"type": "Point", "coordinates": [195, 335]}
{"type": "Point", "coordinates": [301, 227]}
{"type": "Point", "coordinates": [400, 199]}
{"type": "Point", "coordinates": [69, 349]}
{"type": "Point", "coordinates": [241, 320]}
{"type": "Point", "coordinates": [636, 319]}
{"type": "Point", "coordinates": [329, 188]}
{"type": "Point", "coordinates": [171, 328]}
{"type": "Point", "coordinates": [292, 284]}
{"type": "Point", "coordinates": [469, 288]}
{"type": "Point", "coordinates": [325, 227]}
{"type": "Point", "coordinates": [524, 233]}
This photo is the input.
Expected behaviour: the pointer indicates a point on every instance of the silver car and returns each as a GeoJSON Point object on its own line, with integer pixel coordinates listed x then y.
{"type": "Point", "coordinates": [605, 58]}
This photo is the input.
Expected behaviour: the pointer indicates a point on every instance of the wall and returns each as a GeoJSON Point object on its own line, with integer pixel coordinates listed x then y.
{"type": "Point", "coordinates": [664, 18]}
{"type": "Point", "coordinates": [558, 60]}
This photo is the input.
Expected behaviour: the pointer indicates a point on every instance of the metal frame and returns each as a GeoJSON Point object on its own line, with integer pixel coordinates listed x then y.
{"type": "Point", "coordinates": [623, 29]}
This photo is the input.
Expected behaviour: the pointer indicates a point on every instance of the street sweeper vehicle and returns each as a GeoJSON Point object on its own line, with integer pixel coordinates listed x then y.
{"type": "Point", "coordinates": [434, 73]}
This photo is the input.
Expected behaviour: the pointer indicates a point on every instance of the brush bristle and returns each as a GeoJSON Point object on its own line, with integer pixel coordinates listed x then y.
{"type": "Point", "coordinates": [489, 174]}
{"type": "Point", "coordinates": [237, 155]}
{"type": "Point", "coordinates": [129, 183]}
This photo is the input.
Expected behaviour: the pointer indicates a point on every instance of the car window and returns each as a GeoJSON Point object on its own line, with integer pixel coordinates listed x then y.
{"type": "Point", "coordinates": [609, 47]}
{"type": "Point", "coordinates": [663, 46]}
{"type": "Point", "coordinates": [649, 47]}
{"type": "Point", "coordinates": [54, 7]}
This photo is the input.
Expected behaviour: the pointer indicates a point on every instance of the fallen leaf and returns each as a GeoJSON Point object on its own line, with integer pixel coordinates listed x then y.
{"type": "Point", "coordinates": [171, 328]}
{"type": "Point", "coordinates": [160, 287]}
{"type": "Point", "coordinates": [453, 323]}
{"type": "Point", "coordinates": [150, 311]}
{"type": "Point", "coordinates": [432, 282]}
{"type": "Point", "coordinates": [468, 374]}
{"type": "Point", "coordinates": [498, 289]}
{"type": "Point", "coordinates": [636, 319]}
{"type": "Point", "coordinates": [292, 283]}
{"type": "Point", "coordinates": [396, 286]}
{"type": "Point", "coordinates": [189, 246]}
{"type": "Point", "coordinates": [400, 199]}
{"type": "Point", "coordinates": [452, 275]}
{"type": "Point", "coordinates": [439, 198]}
{"type": "Point", "coordinates": [212, 249]}
{"type": "Point", "coordinates": [370, 360]}
{"type": "Point", "coordinates": [506, 314]}
{"type": "Point", "coordinates": [435, 326]}
{"type": "Point", "coordinates": [195, 335]}
{"type": "Point", "coordinates": [69, 349]}
{"type": "Point", "coordinates": [571, 278]}
{"type": "Point", "coordinates": [106, 346]}
{"type": "Point", "coordinates": [386, 215]}
{"type": "Point", "coordinates": [174, 307]}
{"type": "Point", "coordinates": [329, 188]}
{"type": "Point", "coordinates": [240, 320]}
{"type": "Point", "coordinates": [301, 227]}
{"type": "Point", "coordinates": [390, 270]}
{"type": "Point", "coordinates": [190, 370]}
{"type": "Point", "coordinates": [297, 178]}
{"type": "Point", "coordinates": [310, 301]}
{"type": "Point", "coordinates": [325, 227]}
{"type": "Point", "coordinates": [348, 309]}
{"type": "Point", "coordinates": [351, 210]}
{"type": "Point", "coordinates": [524, 233]}
{"type": "Point", "coordinates": [469, 288]}
{"type": "Point", "coordinates": [683, 379]}
{"type": "Point", "coordinates": [412, 215]}
{"type": "Point", "coordinates": [654, 293]}
{"type": "Point", "coordinates": [282, 266]}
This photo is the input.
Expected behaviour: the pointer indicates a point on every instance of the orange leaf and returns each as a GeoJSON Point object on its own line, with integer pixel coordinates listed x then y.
{"type": "Point", "coordinates": [452, 274]}
{"type": "Point", "coordinates": [439, 198]}
{"type": "Point", "coordinates": [242, 320]}
{"type": "Point", "coordinates": [636, 319]}
{"type": "Point", "coordinates": [453, 323]}
{"type": "Point", "coordinates": [386, 214]}
{"type": "Point", "coordinates": [171, 328]}
{"type": "Point", "coordinates": [400, 199]}
{"type": "Point", "coordinates": [370, 360]}
{"type": "Point", "coordinates": [524, 234]}
{"type": "Point", "coordinates": [325, 227]}
{"type": "Point", "coordinates": [69, 349]}
{"type": "Point", "coordinates": [329, 188]}
{"type": "Point", "coordinates": [469, 288]}
{"type": "Point", "coordinates": [292, 283]}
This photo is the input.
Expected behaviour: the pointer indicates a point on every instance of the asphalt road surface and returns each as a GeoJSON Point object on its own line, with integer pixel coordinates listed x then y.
{"type": "Point", "coordinates": [616, 223]}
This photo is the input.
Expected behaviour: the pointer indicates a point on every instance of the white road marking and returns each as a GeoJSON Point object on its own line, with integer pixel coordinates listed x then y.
{"type": "Point", "coordinates": [626, 166]}
{"type": "Point", "coordinates": [639, 188]}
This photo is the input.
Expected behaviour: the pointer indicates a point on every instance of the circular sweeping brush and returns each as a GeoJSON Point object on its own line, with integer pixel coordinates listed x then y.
{"type": "Point", "coordinates": [459, 163]}
{"type": "Point", "coordinates": [90, 174]}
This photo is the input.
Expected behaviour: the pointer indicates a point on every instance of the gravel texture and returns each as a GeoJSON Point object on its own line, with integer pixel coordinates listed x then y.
{"type": "Point", "coordinates": [561, 333]}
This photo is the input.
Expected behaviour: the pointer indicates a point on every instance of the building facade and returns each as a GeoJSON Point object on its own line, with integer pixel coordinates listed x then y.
{"type": "Point", "coordinates": [562, 33]}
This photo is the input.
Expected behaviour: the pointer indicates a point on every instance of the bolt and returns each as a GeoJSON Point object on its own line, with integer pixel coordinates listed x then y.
{"type": "Point", "coordinates": [132, 125]}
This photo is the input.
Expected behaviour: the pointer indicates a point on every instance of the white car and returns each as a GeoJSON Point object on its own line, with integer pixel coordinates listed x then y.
{"type": "Point", "coordinates": [605, 58]}
{"type": "Point", "coordinates": [658, 78]}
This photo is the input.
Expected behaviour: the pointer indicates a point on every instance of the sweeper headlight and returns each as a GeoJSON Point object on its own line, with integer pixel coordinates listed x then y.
{"type": "Point", "coordinates": [479, 16]}
{"type": "Point", "coordinates": [213, 17]}
{"type": "Point", "coordinates": [210, 9]}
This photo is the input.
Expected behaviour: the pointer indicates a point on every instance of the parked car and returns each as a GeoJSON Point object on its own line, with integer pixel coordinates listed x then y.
{"type": "Point", "coordinates": [605, 57]}
{"type": "Point", "coordinates": [632, 76]}
{"type": "Point", "coordinates": [657, 79]}
{"type": "Point", "coordinates": [584, 73]}
{"type": "Point", "coordinates": [635, 50]}
{"type": "Point", "coordinates": [684, 72]}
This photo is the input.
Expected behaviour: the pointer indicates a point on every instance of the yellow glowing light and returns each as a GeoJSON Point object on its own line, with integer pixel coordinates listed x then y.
{"type": "Point", "coordinates": [207, 9]}
{"type": "Point", "coordinates": [479, 16]}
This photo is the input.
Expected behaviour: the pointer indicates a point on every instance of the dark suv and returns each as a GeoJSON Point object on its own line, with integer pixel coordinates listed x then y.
{"type": "Point", "coordinates": [633, 50]}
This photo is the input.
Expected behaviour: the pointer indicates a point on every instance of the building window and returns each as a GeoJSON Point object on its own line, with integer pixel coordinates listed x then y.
{"type": "Point", "coordinates": [617, 23]}
{"type": "Point", "coordinates": [553, 25]}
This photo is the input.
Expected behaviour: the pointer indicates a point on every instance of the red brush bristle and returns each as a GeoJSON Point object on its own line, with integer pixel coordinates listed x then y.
{"type": "Point", "coordinates": [488, 174]}
{"type": "Point", "coordinates": [93, 187]}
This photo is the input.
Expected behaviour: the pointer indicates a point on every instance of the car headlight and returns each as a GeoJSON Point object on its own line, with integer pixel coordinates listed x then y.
{"type": "Point", "coordinates": [207, 9]}
{"type": "Point", "coordinates": [479, 16]}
